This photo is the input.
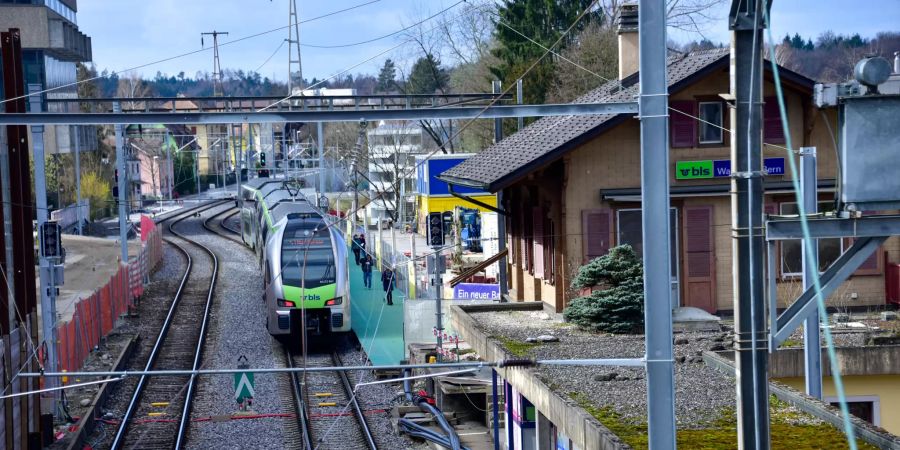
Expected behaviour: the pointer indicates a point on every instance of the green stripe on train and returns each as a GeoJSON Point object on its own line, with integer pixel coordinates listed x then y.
{"type": "Point", "coordinates": [315, 297]}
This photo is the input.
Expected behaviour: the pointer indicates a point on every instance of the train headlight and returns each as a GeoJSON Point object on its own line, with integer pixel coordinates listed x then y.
{"type": "Point", "coordinates": [286, 303]}
{"type": "Point", "coordinates": [335, 301]}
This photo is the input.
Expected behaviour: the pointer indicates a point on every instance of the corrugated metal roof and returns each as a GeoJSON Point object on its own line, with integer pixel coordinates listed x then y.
{"type": "Point", "coordinates": [548, 138]}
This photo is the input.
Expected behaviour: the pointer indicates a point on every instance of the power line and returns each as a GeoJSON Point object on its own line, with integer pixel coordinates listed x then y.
{"type": "Point", "coordinates": [368, 41]}
{"type": "Point", "coordinates": [193, 52]}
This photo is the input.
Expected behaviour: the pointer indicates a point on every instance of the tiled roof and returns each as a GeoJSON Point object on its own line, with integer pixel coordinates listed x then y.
{"type": "Point", "coordinates": [547, 138]}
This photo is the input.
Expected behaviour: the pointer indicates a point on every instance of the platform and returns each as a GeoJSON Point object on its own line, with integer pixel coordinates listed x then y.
{"type": "Point", "coordinates": [378, 326]}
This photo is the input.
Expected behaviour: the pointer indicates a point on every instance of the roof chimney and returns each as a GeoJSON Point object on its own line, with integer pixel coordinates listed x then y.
{"type": "Point", "coordinates": [627, 24]}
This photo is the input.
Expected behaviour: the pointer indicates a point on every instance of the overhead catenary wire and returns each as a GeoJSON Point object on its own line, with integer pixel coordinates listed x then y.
{"type": "Point", "coordinates": [194, 52]}
{"type": "Point", "coordinates": [343, 71]}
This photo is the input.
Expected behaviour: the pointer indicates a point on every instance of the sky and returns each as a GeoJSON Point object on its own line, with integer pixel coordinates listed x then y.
{"type": "Point", "coordinates": [131, 33]}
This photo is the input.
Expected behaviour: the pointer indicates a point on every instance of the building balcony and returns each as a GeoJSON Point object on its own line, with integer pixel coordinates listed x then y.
{"type": "Point", "coordinates": [67, 43]}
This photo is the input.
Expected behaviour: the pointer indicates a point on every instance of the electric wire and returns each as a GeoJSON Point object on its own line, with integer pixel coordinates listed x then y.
{"type": "Point", "coordinates": [343, 71]}
{"type": "Point", "coordinates": [194, 52]}
{"type": "Point", "coordinates": [270, 56]}
{"type": "Point", "coordinates": [368, 41]}
{"type": "Point", "coordinates": [804, 225]}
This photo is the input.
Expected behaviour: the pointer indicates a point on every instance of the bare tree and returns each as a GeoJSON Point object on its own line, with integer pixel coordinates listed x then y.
{"type": "Point", "coordinates": [132, 86]}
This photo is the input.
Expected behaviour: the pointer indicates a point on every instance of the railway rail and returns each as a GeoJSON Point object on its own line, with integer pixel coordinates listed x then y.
{"type": "Point", "coordinates": [329, 414]}
{"type": "Point", "coordinates": [158, 413]}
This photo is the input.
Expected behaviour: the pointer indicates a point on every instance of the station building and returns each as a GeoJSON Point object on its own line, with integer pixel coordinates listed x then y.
{"type": "Point", "coordinates": [571, 185]}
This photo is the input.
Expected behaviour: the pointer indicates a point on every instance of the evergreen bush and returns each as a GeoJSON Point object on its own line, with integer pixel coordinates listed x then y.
{"type": "Point", "coordinates": [619, 306]}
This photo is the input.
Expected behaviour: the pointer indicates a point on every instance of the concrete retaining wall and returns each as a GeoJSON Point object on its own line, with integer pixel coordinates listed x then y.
{"type": "Point", "coordinates": [584, 430]}
{"type": "Point", "coordinates": [871, 360]}
{"type": "Point", "coordinates": [864, 430]}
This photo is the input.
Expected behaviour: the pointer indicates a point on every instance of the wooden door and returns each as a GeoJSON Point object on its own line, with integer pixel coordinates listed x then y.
{"type": "Point", "coordinates": [699, 258]}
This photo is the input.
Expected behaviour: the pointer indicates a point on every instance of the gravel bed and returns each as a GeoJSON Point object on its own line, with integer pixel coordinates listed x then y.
{"type": "Point", "coordinates": [702, 394]}
{"type": "Point", "coordinates": [237, 327]}
{"type": "Point", "coordinates": [374, 398]}
{"type": "Point", "coordinates": [150, 314]}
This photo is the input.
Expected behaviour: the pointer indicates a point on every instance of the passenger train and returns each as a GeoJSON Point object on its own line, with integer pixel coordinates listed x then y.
{"type": "Point", "coordinates": [304, 261]}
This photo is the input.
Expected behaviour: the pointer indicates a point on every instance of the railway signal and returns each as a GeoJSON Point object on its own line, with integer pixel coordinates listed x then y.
{"type": "Point", "coordinates": [435, 229]}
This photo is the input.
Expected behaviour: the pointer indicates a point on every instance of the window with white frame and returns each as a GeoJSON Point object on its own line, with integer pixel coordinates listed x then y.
{"type": "Point", "coordinates": [792, 251]}
{"type": "Point", "coordinates": [710, 122]}
{"type": "Point", "coordinates": [866, 407]}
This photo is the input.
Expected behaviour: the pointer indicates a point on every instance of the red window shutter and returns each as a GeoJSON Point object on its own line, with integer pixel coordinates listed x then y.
{"type": "Point", "coordinates": [872, 264]}
{"type": "Point", "coordinates": [699, 258]}
{"type": "Point", "coordinates": [596, 229]}
{"type": "Point", "coordinates": [537, 214]}
{"type": "Point", "coordinates": [683, 128]}
{"type": "Point", "coordinates": [773, 131]}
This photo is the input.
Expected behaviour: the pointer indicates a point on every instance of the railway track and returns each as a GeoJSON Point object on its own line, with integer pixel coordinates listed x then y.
{"type": "Point", "coordinates": [329, 415]}
{"type": "Point", "coordinates": [220, 228]}
{"type": "Point", "coordinates": [158, 413]}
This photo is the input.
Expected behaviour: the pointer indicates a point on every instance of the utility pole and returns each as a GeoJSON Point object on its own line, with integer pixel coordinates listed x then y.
{"type": "Point", "coordinates": [812, 345]}
{"type": "Point", "coordinates": [320, 134]}
{"type": "Point", "coordinates": [293, 40]}
{"type": "Point", "coordinates": [653, 101]}
{"type": "Point", "coordinates": [78, 212]}
{"type": "Point", "coordinates": [169, 170]}
{"type": "Point", "coordinates": [438, 296]}
{"type": "Point", "coordinates": [123, 187]}
{"type": "Point", "coordinates": [48, 263]}
{"type": "Point", "coordinates": [218, 90]}
{"type": "Point", "coordinates": [751, 355]}
{"type": "Point", "coordinates": [520, 122]}
{"type": "Point", "coordinates": [496, 88]}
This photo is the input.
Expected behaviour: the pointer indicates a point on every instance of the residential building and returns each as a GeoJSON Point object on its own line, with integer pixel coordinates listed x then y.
{"type": "Point", "coordinates": [393, 147]}
{"type": "Point", "coordinates": [51, 46]}
{"type": "Point", "coordinates": [571, 185]}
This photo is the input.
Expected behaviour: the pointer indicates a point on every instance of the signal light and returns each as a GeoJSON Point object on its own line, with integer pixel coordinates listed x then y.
{"type": "Point", "coordinates": [435, 229]}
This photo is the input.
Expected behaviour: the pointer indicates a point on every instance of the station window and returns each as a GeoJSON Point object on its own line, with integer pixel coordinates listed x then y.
{"type": "Point", "coordinates": [792, 251]}
{"type": "Point", "coordinates": [710, 122]}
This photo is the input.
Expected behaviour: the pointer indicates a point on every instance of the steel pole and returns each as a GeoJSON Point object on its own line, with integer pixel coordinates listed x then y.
{"type": "Point", "coordinates": [812, 345]}
{"type": "Point", "coordinates": [78, 212]}
{"type": "Point", "coordinates": [439, 294]}
{"type": "Point", "coordinates": [320, 137]}
{"type": "Point", "coordinates": [168, 165]}
{"type": "Point", "coordinates": [751, 356]}
{"type": "Point", "coordinates": [48, 289]}
{"type": "Point", "coordinates": [123, 187]}
{"type": "Point", "coordinates": [496, 87]}
{"type": "Point", "coordinates": [655, 221]}
{"type": "Point", "coordinates": [502, 276]}
{"type": "Point", "coordinates": [520, 122]}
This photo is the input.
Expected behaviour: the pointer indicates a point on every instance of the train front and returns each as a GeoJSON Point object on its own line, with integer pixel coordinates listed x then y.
{"type": "Point", "coordinates": [312, 286]}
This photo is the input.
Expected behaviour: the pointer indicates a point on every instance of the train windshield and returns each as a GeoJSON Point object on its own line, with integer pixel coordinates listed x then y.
{"type": "Point", "coordinates": [306, 255]}
{"type": "Point", "coordinates": [315, 266]}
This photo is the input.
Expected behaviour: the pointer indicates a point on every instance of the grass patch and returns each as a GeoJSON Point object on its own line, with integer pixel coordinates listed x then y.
{"type": "Point", "coordinates": [792, 343]}
{"type": "Point", "coordinates": [721, 433]}
{"type": "Point", "coordinates": [517, 348]}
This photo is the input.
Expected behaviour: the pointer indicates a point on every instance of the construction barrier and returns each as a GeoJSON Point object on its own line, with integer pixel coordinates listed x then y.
{"type": "Point", "coordinates": [95, 316]}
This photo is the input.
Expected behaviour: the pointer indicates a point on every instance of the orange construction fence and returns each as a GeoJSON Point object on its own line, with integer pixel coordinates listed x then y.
{"type": "Point", "coordinates": [96, 316]}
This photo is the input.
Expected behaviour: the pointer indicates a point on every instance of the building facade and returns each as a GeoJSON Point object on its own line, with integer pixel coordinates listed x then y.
{"type": "Point", "coordinates": [51, 47]}
{"type": "Point", "coordinates": [392, 150]}
{"type": "Point", "coordinates": [571, 186]}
